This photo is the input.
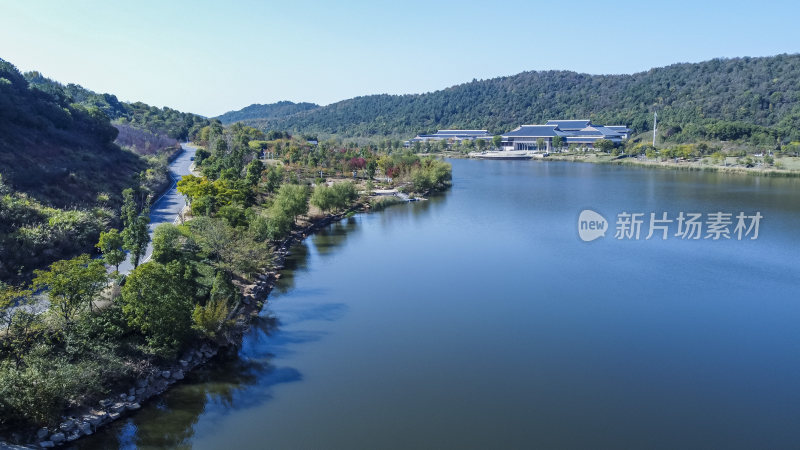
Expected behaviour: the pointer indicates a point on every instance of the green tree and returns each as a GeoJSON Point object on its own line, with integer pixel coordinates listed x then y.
{"type": "Point", "coordinates": [71, 284]}
{"type": "Point", "coordinates": [344, 194]}
{"type": "Point", "coordinates": [22, 334]}
{"type": "Point", "coordinates": [558, 142]}
{"type": "Point", "coordinates": [167, 243]}
{"type": "Point", "coordinates": [195, 187]}
{"type": "Point", "coordinates": [136, 236]}
{"type": "Point", "coordinates": [110, 244]}
{"type": "Point", "coordinates": [11, 296]}
{"type": "Point", "coordinates": [274, 178]}
{"type": "Point", "coordinates": [254, 170]}
{"type": "Point", "coordinates": [156, 301]}
{"type": "Point", "coordinates": [338, 196]}
{"type": "Point", "coordinates": [497, 141]}
{"type": "Point", "coordinates": [480, 143]}
{"type": "Point", "coordinates": [539, 143]}
{"type": "Point", "coordinates": [279, 222]}
{"type": "Point", "coordinates": [130, 209]}
{"type": "Point", "coordinates": [604, 145]}
{"type": "Point", "coordinates": [372, 166]}
{"type": "Point", "coordinates": [208, 319]}
{"type": "Point", "coordinates": [223, 288]}
{"type": "Point", "coordinates": [323, 198]}
{"type": "Point", "coordinates": [293, 198]}
{"type": "Point", "coordinates": [230, 249]}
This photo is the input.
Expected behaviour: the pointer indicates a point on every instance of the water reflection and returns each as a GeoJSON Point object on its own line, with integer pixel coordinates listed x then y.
{"type": "Point", "coordinates": [302, 312]}
{"type": "Point", "coordinates": [240, 379]}
{"type": "Point", "coordinates": [295, 263]}
{"type": "Point", "coordinates": [479, 319]}
{"type": "Point", "coordinates": [333, 236]}
{"type": "Point", "coordinates": [244, 377]}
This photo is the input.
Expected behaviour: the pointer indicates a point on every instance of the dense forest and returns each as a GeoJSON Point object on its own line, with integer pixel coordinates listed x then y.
{"type": "Point", "coordinates": [741, 92]}
{"type": "Point", "coordinates": [270, 111]}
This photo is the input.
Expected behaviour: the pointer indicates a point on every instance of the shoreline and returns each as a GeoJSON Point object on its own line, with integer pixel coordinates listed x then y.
{"type": "Point", "coordinates": [693, 166]}
{"type": "Point", "coordinates": [86, 419]}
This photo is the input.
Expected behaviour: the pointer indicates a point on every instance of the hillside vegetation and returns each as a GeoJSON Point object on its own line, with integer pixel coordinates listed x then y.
{"type": "Point", "coordinates": [270, 111]}
{"type": "Point", "coordinates": [61, 174]}
{"type": "Point", "coordinates": [59, 152]}
{"type": "Point", "coordinates": [142, 128]}
{"type": "Point", "coordinates": [742, 93]}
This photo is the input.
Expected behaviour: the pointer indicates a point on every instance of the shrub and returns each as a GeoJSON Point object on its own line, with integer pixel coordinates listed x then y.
{"type": "Point", "coordinates": [39, 390]}
{"type": "Point", "coordinates": [209, 319]}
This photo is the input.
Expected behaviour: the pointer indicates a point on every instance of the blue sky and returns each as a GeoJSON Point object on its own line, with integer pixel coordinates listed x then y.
{"type": "Point", "coordinates": [211, 57]}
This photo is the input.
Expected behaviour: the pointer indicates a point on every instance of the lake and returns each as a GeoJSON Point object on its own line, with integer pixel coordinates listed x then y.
{"type": "Point", "coordinates": [479, 319]}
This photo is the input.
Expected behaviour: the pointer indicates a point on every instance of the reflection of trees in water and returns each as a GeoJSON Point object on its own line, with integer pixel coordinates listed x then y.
{"type": "Point", "coordinates": [296, 262]}
{"type": "Point", "coordinates": [325, 240]}
{"type": "Point", "coordinates": [406, 212]}
{"type": "Point", "coordinates": [334, 235]}
{"type": "Point", "coordinates": [236, 381]}
{"type": "Point", "coordinates": [242, 379]}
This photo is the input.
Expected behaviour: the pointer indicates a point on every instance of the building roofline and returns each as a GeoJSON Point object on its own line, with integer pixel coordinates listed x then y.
{"type": "Point", "coordinates": [455, 129]}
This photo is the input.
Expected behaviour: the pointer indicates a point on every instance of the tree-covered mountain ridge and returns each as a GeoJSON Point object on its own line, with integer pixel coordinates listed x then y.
{"type": "Point", "coordinates": [142, 128]}
{"type": "Point", "coordinates": [761, 91]}
{"type": "Point", "coordinates": [266, 111]}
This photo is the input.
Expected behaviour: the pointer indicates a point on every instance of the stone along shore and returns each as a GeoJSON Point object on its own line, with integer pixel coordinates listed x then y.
{"type": "Point", "coordinates": [86, 419]}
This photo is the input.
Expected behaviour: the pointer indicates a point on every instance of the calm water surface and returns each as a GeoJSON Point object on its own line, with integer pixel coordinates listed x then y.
{"type": "Point", "coordinates": [478, 319]}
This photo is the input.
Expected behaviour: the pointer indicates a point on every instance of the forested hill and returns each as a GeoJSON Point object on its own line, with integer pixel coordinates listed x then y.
{"type": "Point", "coordinates": [143, 129]}
{"type": "Point", "coordinates": [61, 173]}
{"type": "Point", "coordinates": [57, 151]}
{"type": "Point", "coordinates": [269, 111]}
{"type": "Point", "coordinates": [762, 91]}
{"type": "Point", "coordinates": [167, 121]}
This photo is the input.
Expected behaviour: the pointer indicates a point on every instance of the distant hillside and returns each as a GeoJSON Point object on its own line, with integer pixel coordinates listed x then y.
{"type": "Point", "coordinates": [270, 111]}
{"type": "Point", "coordinates": [143, 128]}
{"type": "Point", "coordinates": [761, 91]}
{"type": "Point", "coordinates": [56, 151]}
{"type": "Point", "coordinates": [61, 175]}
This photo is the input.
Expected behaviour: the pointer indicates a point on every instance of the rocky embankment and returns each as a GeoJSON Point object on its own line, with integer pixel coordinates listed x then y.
{"type": "Point", "coordinates": [87, 419]}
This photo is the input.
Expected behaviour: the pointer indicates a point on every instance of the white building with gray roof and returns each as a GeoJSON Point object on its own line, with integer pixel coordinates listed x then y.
{"type": "Point", "coordinates": [451, 136]}
{"type": "Point", "coordinates": [579, 132]}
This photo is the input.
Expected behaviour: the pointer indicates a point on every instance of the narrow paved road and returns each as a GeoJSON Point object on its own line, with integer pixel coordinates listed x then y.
{"type": "Point", "coordinates": [163, 210]}
{"type": "Point", "coordinates": [169, 205]}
